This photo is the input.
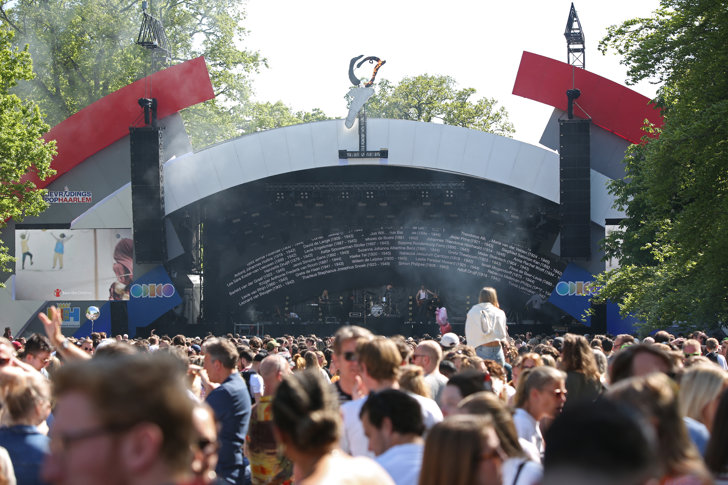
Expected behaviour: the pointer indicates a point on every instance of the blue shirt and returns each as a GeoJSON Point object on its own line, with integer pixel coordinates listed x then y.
{"type": "Point", "coordinates": [27, 448]}
{"type": "Point", "coordinates": [231, 404]}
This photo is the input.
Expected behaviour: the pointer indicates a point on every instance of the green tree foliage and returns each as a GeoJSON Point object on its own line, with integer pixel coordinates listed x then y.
{"type": "Point", "coordinates": [84, 50]}
{"type": "Point", "coordinates": [426, 98]}
{"type": "Point", "coordinates": [21, 145]}
{"type": "Point", "coordinates": [266, 116]}
{"type": "Point", "coordinates": [673, 246]}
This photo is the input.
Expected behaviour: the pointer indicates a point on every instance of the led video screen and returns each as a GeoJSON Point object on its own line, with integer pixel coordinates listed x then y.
{"type": "Point", "coordinates": [73, 264]}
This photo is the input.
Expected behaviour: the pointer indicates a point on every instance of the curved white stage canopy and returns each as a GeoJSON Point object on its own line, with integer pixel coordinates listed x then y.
{"type": "Point", "coordinates": [195, 176]}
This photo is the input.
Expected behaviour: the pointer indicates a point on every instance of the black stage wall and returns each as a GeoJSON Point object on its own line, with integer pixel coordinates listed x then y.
{"type": "Point", "coordinates": [272, 246]}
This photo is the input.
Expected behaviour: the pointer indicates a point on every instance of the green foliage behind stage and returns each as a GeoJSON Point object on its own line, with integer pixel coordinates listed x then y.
{"type": "Point", "coordinates": [429, 98]}
{"type": "Point", "coordinates": [674, 243]}
{"type": "Point", "coordinates": [21, 145]}
{"type": "Point", "coordinates": [86, 49]}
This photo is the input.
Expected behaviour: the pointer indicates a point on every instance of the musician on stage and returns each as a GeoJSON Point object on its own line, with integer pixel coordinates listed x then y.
{"type": "Point", "coordinates": [324, 303]}
{"type": "Point", "coordinates": [422, 296]}
{"type": "Point", "coordinates": [387, 299]}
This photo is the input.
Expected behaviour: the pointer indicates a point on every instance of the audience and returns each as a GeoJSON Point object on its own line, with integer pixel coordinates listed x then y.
{"type": "Point", "coordinates": [118, 408]}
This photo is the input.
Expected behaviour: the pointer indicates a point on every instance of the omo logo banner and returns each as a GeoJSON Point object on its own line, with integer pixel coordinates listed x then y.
{"type": "Point", "coordinates": [573, 291]}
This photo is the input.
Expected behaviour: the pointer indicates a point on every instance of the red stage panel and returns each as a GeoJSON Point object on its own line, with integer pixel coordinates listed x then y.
{"type": "Point", "coordinates": [107, 120]}
{"type": "Point", "coordinates": [611, 106]}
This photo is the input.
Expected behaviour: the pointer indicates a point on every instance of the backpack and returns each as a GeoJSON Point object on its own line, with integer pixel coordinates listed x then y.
{"type": "Point", "coordinates": [246, 377]}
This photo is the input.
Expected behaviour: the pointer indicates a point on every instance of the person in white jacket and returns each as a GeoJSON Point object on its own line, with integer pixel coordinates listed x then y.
{"type": "Point", "coordinates": [485, 327]}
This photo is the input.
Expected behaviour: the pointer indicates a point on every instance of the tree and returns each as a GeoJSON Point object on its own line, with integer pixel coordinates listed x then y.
{"type": "Point", "coordinates": [266, 116]}
{"type": "Point", "coordinates": [426, 98]}
{"type": "Point", "coordinates": [21, 145]}
{"type": "Point", "coordinates": [673, 246]}
{"type": "Point", "coordinates": [84, 50]}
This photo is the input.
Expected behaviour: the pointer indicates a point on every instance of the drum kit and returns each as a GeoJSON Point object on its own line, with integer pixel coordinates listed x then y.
{"type": "Point", "coordinates": [383, 307]}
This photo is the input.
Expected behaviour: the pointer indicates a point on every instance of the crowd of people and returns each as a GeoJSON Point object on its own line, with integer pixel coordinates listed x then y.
{"type": "Point", "coordinates": [482, 408]}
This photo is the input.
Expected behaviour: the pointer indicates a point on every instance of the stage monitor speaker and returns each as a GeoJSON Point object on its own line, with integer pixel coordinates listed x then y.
{"type": "Point", "coordinates": [599, 318]}
{"type": "Point", "coordinates": [146, 195]}
{"type": "Point", "coordinates": [119, 318]}
{"type": "Point", "coordinates": [575, 180]}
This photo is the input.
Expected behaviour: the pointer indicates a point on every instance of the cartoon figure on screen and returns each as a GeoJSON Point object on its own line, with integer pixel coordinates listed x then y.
{"type": "Point", "coordinates": [24, 238]}
{"type": "Point", "coordinates": [59, 249]}
{"type": "Point", "coordinates": [123, 269]}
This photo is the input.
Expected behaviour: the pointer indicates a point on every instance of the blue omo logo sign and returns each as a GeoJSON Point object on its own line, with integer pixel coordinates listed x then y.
{"type": "Point", "coordinates": [575, 288]}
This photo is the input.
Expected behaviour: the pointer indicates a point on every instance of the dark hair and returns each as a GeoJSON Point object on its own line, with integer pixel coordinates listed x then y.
{"type": "Point", "coordinates": [607, 344]}
{"type": "Point", "coordinates": [245, 354]}
{"type": "Point", "coordinates": [599, 439]}
{"type": "Point", "coordinates": [402, 410]}
{"type": "Point", "coordinates": [36, 343]}
{"type": "Point", "coordinates": [306, 409]}
{"type": "Point", "coordinates": [447, 368]}
{"type": "Point", "coordinates": [469, 382]}
{"type": "Point", "coordinates": [622, 364]}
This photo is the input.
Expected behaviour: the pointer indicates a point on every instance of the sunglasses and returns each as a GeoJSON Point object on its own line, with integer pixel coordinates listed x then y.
{"type": "Point", "coordinates": [350, 356]}
{"type": "Point", "coordinates": [207, 446]}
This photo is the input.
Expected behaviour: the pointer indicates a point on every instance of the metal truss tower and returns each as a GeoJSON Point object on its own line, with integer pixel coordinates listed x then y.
{"type": "Point", "coordinates": [574, 40]}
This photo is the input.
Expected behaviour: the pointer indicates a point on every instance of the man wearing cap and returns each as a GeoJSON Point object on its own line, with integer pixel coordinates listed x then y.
{"type": "Point", "coordinates": [449, 340]}
{"type": "Point", "coordinates": [272, 347]}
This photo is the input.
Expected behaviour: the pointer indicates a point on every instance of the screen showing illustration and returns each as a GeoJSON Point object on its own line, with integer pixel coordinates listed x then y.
{"type": "Point", "coordinates": [73, 264]}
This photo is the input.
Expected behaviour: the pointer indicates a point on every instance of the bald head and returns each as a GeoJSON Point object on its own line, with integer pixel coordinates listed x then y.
{"type": "Point", "coordinates": [432, 352]}
{"type": "Point", "coordinates": [273, 369]}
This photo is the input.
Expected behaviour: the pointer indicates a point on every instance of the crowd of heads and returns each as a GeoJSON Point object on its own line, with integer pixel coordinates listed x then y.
{"type": "Point", "coordinates": [629, 403]}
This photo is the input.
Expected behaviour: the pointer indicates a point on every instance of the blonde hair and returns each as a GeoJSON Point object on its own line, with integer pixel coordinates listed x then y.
{"type": "Point", "coordinates": [536, 378]}
{"type": "Point", "coordinates": [459, 442]}
{"type": "Point", "coordinates": [486, 403]}
{"type": "Point", "coordinates": [412, 379]}
{"type": "Point", "coordinates": [699, 385]}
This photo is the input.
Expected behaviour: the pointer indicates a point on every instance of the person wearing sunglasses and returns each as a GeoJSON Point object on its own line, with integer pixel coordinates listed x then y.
{"type": "Point", "coordinates": [344, 358]}
{"type": "Point", "coordinates": [380, 362]}
{"type": "Point", "coordinates": [541, 393]}
{"type": "Point", "coordinates": [120, 419]}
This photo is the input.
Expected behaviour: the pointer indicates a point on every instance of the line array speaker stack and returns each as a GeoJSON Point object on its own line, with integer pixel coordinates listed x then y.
{"type": "Point", "coordinates": [146, 194]}
{"type": "Point", "coordinates": [575, 207]}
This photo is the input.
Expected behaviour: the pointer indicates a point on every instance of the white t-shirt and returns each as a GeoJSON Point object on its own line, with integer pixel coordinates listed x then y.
{"type": "Point", "coordinates": [353, 439]}
{"type": "Point", "coordinates": [403, 462]}
{"type": "Point", "coordinates": [528, 429]}
{"type": "Point", "coordinates": [256, 384]}
{"type": "Point", "coordinates": [531, 472]}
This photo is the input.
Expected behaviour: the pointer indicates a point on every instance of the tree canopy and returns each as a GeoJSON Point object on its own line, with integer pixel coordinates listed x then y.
{"type": "Point", "coordinates": [266, 116]}
{"type": "Point", "coordinates": [427, 98]}
{"type": "Point", "coordinates": [673, 245]}
{"type": "Point", "coordinates": [21, 145]}
{"type": "Point", "coordinates": [86, 49]}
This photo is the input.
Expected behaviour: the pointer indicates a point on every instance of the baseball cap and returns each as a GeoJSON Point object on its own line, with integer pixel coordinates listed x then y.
{"type": "Point", "coordinates": [449, 340]}
{"type": "Point", "coordinates": [272, 344]}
